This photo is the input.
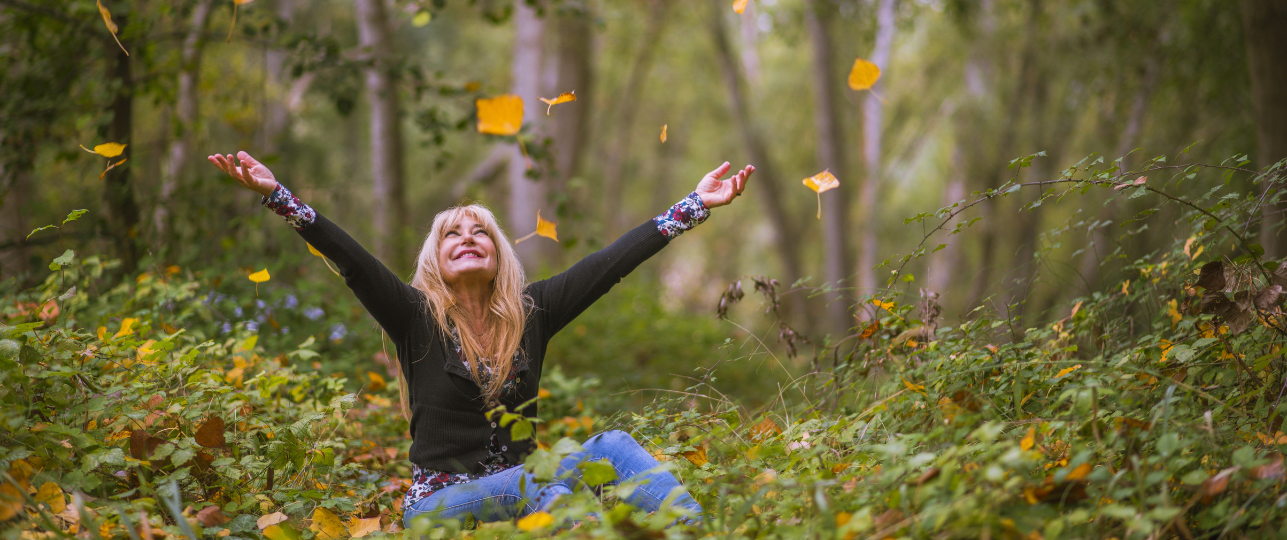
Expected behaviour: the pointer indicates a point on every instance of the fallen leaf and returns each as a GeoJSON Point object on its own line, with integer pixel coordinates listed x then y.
{"type": "Point", "coordinates": [698, 456]}
{"type": "Point", "coordinates": [882, 305]}
{"type": "Point", "coordinates": [823, 181]}
{"type": "Point", "coordinates": [914, 387]}
{"type": "Point", "coordinates": [1027, 442]}
{"type": "Point", "coordinates": [501, 115]}
{"type": "Point", "coordinates": [210, 433]}
{"type": "Point", "coordinates": [1217, 484]}
{"type": "Point", "coordinates": [125, 328]}
{"type": "Point", "coordinates": [870, 330]}
{"type": "Point", "coordinates": [142, 444]}
{"type": "Point", "coordinates": [327, 525]}
{"type": "Point", "coordinates": [377, 382]}
{"type": "Point", "coordinates": [1067, 370]}
{"type": "Point", "coordinates": [107, 150]}
{"type": "Point", "coordinates": [52, 495]}
{"type": "Point", "coordinates": [211, 516]}
{"type": "Point", "coordinates": [111, 26]}
{"type": "Point", "coordinates": [1211, 277]}
{"type": "Point", "coordinates": [281, 532]}
{"type": "Point", "coordinates": [563, 98]}
{"type": "Point", "coordinates": [535, 521]}
{"type": "Point", "coordinates": [929, 474]}
{"type": "Point", "coordinates": [359, 527]}
{"type": "Point", "coordinates": [269, 520]}
{"type": "Point", "coordinates": [1273, 469]}
{"type": "Point", "coordinates": [765, 429]}
{"type": "Point", "coordinates": [543, 228]}
{"type": "Point", "coordinates": [1079, 472]}
{"type": "Point", "coordinates": [863, 75]}
{"type": "Point", "coordinates": [663, 132]}
{"type": "Point", "coordinates": [740, 5]}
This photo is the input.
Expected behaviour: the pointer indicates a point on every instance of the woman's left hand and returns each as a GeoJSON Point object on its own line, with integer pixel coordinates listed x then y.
{"type": "Point", "coordinates": [715, 192]}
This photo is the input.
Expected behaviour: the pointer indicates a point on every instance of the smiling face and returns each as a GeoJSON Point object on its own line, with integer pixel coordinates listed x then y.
{"type": "Point", "coordinates": [467, 253]}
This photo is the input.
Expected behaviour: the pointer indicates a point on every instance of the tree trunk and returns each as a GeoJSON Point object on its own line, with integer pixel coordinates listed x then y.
{"type": "Point", "coordinates": [14, 225]}
{"type": "Point", "coordinates": [831, 139]}
{"type": "Point", "coordinates": [943, 263]}
{"type": "Point", "coordinates": [572, 72]}
{"type": "Point", "coordinates": [1265, 23]}
{"type": "Point", "coordinates": [871, 148]}
{"type": "Point", "coordinates": [186, 117]}
{"type": "Point", "coordinates": [277, 103]}
{"type": "Point", "coordinates": [528, 195]}
{"type": "Point", "coordinates": [619, 150]}
{"type": "Point", "coordinates": [390, 217]}
{"type": "Point", "coordinates": [123, 209]}
{"type": "Point", "coordinates": [766, 183]}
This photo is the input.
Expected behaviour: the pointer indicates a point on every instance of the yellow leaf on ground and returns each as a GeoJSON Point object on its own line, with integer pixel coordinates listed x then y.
{"type": "Point", "coordinates": [271, 519]}
{"type": "Point", "coordinates": [377, 381]}
{"type": "Point", "coordinates": [281, 532]}
{"type": "Point", "coordinates": [501, 115]}
{"type": "Point", "coordinates": [107, 150]}
{"type": "Point", "coordinates": [52, 495]}
{"type": "Point", "coordinates": [125, 328]}
{"type": "Point", "coordinates": [740, 5]}
{"type": "Point", "coordinates": [698, 456]}
{"type": "Point", "coordinates": [535, 520]}
{"type": "Point", "coordinates": [359, 527]}
{"type": "Point", "coordinates": [260, 276]}
{"type": "Point", "coordinates": [563, 98]}
{"type": "Point", "coordinates": [1079, 472]}
{"type": "Point", "coordinates": [882, 305]}
{"type": "Point", "coordinates": [863, 75]}
{"type": "Point", "coordinates": [327, 525]}
{"type": "Point", "coordinates": [914, 387]}
{"type": "Point", "coordinates": [1068, 370]}
{"type": "Point", "coordinates": [663, 132]}
{"type": "Point", "coordinates": [1030, 439]}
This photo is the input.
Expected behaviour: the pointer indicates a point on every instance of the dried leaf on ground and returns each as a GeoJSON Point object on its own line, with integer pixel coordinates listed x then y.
{"type": "Point", "coordinates": [765, 429]}
{"type": "Point", "coordinates": [698, 456]}
{"type": "Point", "coordinates": [271, 519]}
{"type": "Point", "coordinates": [52, 495]}
{"type": "Point", "coordinates": [1217, 484]}
{"type": "Point", "coordinates": [359, 527]}
{"type": "Point", "coordinates": [211, 516]}
{"type": "Point", "coordinates": [535, 521]}
{"type": "Point", "coordinates": [327, 525]}
{"type": "Point", "coordinates": [210, 433]}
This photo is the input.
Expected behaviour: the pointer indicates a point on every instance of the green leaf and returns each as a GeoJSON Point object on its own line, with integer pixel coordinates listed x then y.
{"type": "Point", "coordinates": [62, 260]}
{"type": "Point", "coordinates": [521, 430]}
{"type": "Point", "coordinates": [597, 473]}
{"type": "Point", "coordinates": [74, 215]}
{"type": "Point", "coordinates": [41, 229]}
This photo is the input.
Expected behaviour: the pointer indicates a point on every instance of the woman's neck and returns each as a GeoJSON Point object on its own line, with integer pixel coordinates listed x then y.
{"type": "Point", "coordinates": [475, 303]}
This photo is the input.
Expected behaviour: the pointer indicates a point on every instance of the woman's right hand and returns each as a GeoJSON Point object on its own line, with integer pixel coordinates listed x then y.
{"type": "Point", "coordinates": [251, 174]}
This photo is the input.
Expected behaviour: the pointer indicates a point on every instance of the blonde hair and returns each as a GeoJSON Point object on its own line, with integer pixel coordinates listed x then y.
{"type": "Point", "coordinates": [506, 315]}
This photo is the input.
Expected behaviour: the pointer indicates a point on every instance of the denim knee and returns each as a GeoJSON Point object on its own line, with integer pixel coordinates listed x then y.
{"type": "Point", "coordinates": [610, 438]}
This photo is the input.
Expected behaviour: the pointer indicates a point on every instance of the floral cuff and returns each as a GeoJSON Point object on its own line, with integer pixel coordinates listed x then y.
{"type": "Point", "coordinates": [686, 214]}
{"type": "Point", "coordinates": [287, 205]}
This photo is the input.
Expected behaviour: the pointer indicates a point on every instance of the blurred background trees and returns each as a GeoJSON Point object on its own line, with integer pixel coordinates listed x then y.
{"type": "Point", "coordinates": [365, 109]}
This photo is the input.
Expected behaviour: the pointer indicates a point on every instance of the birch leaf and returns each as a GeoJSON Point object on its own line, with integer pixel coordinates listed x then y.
{"type": "Point", "coordinates": [52, 495]}
{"type": "Point", "coordinates": [111, 26]}
{"type": "Point", "coordinates": [663, 132]}
{"type": "Point", "coordinates": [107, 150]}
{"type": "Point", "coordinates": [534, 521]}
{"type": "Point", "coordinates": [563, 98]}
{"type": "Point", "coordinates": [327, 525]}
{"type": "Point", "coordinates": [543, 228]}
{"type": "Point", "coordinates": [863, 75]}
{"type": "Point", "coordinates": [823, 181]}
{"type": "Point", "coordinates": [740, 5]}
{"type": "Point", "coordinates": [501, 115]}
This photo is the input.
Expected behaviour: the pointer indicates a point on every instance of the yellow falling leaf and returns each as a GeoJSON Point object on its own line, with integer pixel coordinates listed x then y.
{"type": "Point", "coordinates": [863, 75]}
{"type": "Point", "coordinates": [501, 115]}
{"type": "Point", "coordinates": [242, 2]}
{"type": "Point", "coordinates": [359, 527]}
{"type": "Point", "coordinates": [125, 328]}
{"type": "Point", "coordinates": [235, 4]}
{"type": "Point", "coordinates": [314, 251]}
{"type": "Point", "coordinates": [327, 525]}
{"type": "Point", "coordinates": [260, 276]}
{"type": "Point", "coordinates": [377, 381]}
{"type": "Point", "coordinates": [543, 228]}
{"type": "Point", "coordinates": [110, 167]}
{"type": "Point", "coordinates": [111, 26]}
{"type": "Point", "coordinates": [740, 5]}
{"type": "Point", "coordinates": [1066, 371]}
{"type": "Point", "coordinates": [563, 98]}
{"type": "Point", "coordinates": [823, 181]}
{"type": "Point", "coordinates": [1126, 287]}
{"type": "Point", "coordinates": [1030, 439]}
{"type": "Point", "coordinates": [107, 150]}
{"type": "Point", "coordinates": [535, 521]}
{"type": "Point", "coordinates": [663, 132]}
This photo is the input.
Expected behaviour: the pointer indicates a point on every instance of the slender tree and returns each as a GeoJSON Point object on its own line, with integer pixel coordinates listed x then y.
{"type": "Point", "coordinates": [379, 74]}
{"type": "Point", "coordinates": [872, 124]}
{"type": "Point", "coordinates": [527, 194]}
{"type": "Point", "coordinates": [1265, 23]}
{"type": "Point", "coordinates": [186, 116]}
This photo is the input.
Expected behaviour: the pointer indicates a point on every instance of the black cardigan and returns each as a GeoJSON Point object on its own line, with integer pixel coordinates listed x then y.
{"type": "Point", "coordinates": [449, 428]}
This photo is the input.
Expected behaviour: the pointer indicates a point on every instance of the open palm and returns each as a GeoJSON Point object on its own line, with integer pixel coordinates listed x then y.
{"type": "Point", "coordinates": [715, 192]}
{"type": "Point", "coordinates": [251, 174]}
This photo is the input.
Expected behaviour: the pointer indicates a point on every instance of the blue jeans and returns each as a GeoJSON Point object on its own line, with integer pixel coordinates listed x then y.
{"type": "Point", "coordinates": [515, 493]}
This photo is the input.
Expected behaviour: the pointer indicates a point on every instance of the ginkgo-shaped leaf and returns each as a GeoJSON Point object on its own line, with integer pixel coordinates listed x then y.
{"type": "Point", "coordinates": [863, 75]}
{"type": "Point", "coordinates": [563, 98]}
{"type": "Point", "coordinates": [314, 251]}
{"type": "Point", "coordinates": [740, 5]}
{"type": "Point", "coordinates": [107, 150]}
{"type": "Point", "coordinates": [543, 228]}
{"type": "Point", "coordinates": [823, 181]}
{"type": "Point", "coordinates": [111, 26]}
{"type": "Point", "coordinates": [259, 277]}
{"type": "Point", "coordinates": [663, 132]}
{"type": "Point", "coordinates": [535, 521]}
{"type": "Point", "coordinates": [501, 115]}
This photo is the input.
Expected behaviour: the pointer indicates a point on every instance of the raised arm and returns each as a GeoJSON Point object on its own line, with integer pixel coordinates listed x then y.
{"type": "Point", "coordinates": [563, 297]}
{"type": "Point", "coordinates": [394, 304]}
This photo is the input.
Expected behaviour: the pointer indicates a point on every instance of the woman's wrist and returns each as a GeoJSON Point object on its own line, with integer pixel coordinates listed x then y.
{"type": "Point", "coordinates": [685, 214]}
{"type": "Point", "coordinates": [285, 204]}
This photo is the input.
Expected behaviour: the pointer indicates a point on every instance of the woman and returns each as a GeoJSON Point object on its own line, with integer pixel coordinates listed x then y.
{"type": "Point", "coordinates": [471, 337]}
